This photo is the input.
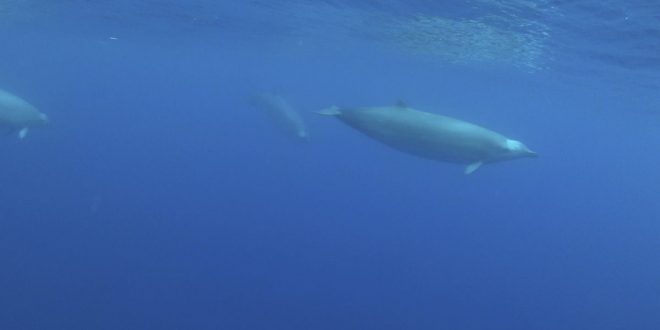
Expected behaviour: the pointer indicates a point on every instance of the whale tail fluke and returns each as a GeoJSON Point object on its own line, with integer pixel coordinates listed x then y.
{"type": "Point", "coordinates": [330, 111]}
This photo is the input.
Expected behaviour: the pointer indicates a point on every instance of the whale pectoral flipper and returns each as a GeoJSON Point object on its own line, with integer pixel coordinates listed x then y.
{"type": "Point", "coordinates": [23, 133]}
{"type": "Point", "coordinates": [473, 167]}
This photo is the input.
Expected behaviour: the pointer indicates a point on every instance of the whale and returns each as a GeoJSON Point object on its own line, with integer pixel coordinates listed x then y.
{"type": "Point", "coordinates": [19, 115]}
{"type": "Point", "coordinates": [430, 135]}
{"type": "Point", "coordinates": [282, 114]}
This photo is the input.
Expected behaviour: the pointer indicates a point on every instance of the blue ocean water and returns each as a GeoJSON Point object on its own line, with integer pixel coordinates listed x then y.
{"type": "Point", "coordinates": [159, 198]}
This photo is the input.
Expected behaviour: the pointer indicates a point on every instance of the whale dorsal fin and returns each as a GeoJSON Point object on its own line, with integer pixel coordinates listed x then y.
{"type": "Point", "coordinates": [473, 167]}
{"type": "Point", "coordinates": [401, 104]}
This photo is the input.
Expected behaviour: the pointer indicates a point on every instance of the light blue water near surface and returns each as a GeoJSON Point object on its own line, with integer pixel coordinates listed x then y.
{"type": "Point", "coordinates": [159, 198]}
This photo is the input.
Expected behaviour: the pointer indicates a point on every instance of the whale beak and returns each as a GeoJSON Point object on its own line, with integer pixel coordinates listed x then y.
{"type": "Point", "coordinates": [531, 154]}
{"type": "Point", "coordinates": [526, 152]}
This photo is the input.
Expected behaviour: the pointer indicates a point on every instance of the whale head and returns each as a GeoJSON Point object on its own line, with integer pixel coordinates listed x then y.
{"type": "Point", "coordinates": [37, 119]}
{"type": "Point", "coordinates": [516, 149]}
{"type": "Point", "coordinates": [42, 118]}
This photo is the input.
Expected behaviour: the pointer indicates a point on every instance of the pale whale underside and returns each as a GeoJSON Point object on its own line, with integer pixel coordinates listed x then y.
{"type": "Point", "coordinates": [431, 136]}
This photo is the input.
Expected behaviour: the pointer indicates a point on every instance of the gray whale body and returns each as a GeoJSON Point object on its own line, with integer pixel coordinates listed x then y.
{"type": "Point", "coordinates": [18, 114]}
{"type": "Point", "coordinates": [431, 136]}
{"type": "Point", "coordinates": [282, 114]}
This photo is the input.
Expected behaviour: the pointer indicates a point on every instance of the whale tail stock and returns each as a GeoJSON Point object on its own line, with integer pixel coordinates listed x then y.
{"type": "Point", "coordinates": [330, 111]}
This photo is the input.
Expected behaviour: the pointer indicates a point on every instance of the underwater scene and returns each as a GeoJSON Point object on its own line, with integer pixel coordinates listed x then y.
{"type": "Point", "coordinates": [330, 164]}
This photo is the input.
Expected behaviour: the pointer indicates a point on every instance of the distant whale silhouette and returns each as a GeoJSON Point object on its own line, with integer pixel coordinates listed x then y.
{"type": "Point", "coordinates": [431, 136]}
{"type": "Point", "coordinates": [18, 114]}
{"type": "Point", "coordinates": [282, 114]}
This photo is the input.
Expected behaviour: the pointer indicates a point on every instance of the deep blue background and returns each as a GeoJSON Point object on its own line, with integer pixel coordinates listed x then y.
{"type": "Point", "coordinates": [159, 199]}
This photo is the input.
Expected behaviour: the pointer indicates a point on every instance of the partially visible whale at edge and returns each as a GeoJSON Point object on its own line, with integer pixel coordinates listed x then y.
{"type": "Point", "coordinates": [431, 136]}
{"type": "Point", "coordinates": [282, 114]}
{"type": "Point", "coordinates": [18, 114]}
